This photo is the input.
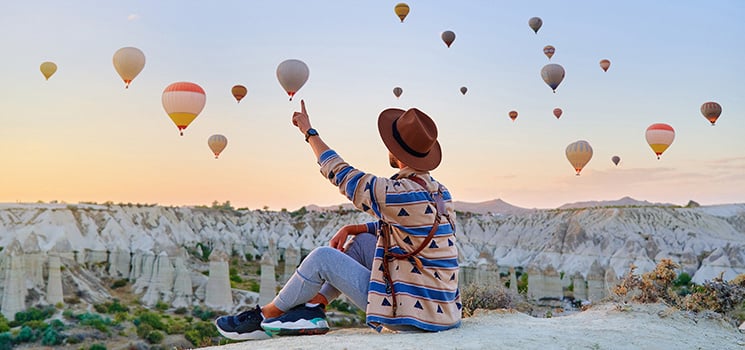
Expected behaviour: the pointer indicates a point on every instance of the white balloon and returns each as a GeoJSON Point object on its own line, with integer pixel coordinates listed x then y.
{"type": "Point", "coordinates": [292, 75]}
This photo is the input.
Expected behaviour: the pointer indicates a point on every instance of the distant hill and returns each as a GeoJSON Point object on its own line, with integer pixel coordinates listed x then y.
{"type": "Point", "coordinates": [494, 206]}
{"type": "Point", "coordinates": [625, 201]}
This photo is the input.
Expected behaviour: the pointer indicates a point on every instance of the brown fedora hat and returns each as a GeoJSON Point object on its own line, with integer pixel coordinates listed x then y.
{"type": "Point", "coordinates": [411, 136]}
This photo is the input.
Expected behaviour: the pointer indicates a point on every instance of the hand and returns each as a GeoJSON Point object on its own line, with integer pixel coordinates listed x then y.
{"type": "Point", "coordinates": [300, 119]}
{"type": "Point", "coordinates": [340, 238]}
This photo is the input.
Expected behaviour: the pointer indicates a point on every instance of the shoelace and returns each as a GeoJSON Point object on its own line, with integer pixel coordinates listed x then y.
{"type": "Point", "coordinates": [245, 315]}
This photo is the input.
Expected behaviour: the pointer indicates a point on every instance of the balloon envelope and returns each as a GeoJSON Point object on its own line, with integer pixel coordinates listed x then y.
{"type": "Point", "coordinates": [448, 37]}
{"type": "Point", "coordinates": [513, 115]}
{"type": "Point", "coordinates": [660, 136]}
{"type": "Point", "coordinates": [397, 91]}
{"type": "Point", "coordinates": [552, 74]}
{"type": "Point", "coordinates": [402, 10]}
{"type": "Point", "coordinates": [292, 75]}
{"type": "Point", "coordinates": [549, 50]}
{"type": "Point", "coordinates": [183, 101]}
{"type": "Point", "coordinates": [615, 159]}
{"type": "Point", "coordinates": [604, 64]}
{"type": "Point", "coordinates": [128, 62]}
{"type": "Point", "coordinates": [217, 144]}
{"type": "Point", "coordinates": [711, 111]}
{"type": "Point", "coordinates": [239, 92]}
{"type": "Point", "coordinates": [463, 90]}
{"type": "Point", "coordinates": [48, 69]}
{"type": "Point", "coordinates": [558, 112]}
{"type": "Point", "coordinates": [579, 154]}
{"type": "Point", "coordinates": [535, 23]}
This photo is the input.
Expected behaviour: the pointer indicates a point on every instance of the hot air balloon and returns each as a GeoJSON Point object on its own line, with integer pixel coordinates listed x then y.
{"type": "Point", "coordinates": [448, 37]}
{"type": "Point", "coordinates": [711, 111]}
{"type": "Point", "coordinates": [397, 91]}
{"type": "Point", "coordinates": [48, 69]}
{"type": "Point", "coordinates": [659, 137]}
{"type": "Point", "coordinates": [579, 154]}
{"type": "Point", "coordinates": [402, 10]}
{"type": "Point", "coordinates": [292, 75]}
{"type": "Point", "coordinates": [535, 23]}
{"type": "Point", "coordinates": [604, 64]}
{"type": "Point", "coordinates": [557, 112]}
{"type": "Point", "coordinates": [463, 90]}
{"type": "Point", "coordinates": [549, 50]}
{"type": "Point", "coordinates": [615, 159]}
{"type": "Point", "coordinates": [552, 74]}
{"type": "Point", "coordinates": [183, 101]}
{"type": "Point", "coordinates": [217, 143]}
{"type": "Point", "coordinates": [128, 62]}
{"type": "Point", "coordinates": [239, 92]}
{"type": "Point", "coordinates": [513, 115]}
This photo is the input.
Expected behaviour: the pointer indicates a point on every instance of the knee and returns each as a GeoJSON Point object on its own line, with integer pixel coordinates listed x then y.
{"type": "Point", "coordinates": [322, 252]}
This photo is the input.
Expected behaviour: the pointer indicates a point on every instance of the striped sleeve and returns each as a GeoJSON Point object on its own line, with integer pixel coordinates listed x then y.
{"type": "Point", "coordinates": [358, 186]}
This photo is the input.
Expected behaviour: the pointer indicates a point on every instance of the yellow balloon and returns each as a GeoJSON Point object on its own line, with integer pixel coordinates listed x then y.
{"type": "Point", "coordinates": [183, 101]}
{"type": "Point", "coordinates": [48, 69]}
{"type": "Point", "coordinates": [402, 10]}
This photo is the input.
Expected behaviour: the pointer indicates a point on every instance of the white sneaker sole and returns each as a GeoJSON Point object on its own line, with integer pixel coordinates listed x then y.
{"type": "Point", "coordinates": [255, 335]}
{"type": "Point", "coordinates": [300, 327]}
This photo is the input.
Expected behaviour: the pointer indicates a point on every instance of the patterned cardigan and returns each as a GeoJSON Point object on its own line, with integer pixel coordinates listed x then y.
{"type": "Point", "coordinates": [428, 298]}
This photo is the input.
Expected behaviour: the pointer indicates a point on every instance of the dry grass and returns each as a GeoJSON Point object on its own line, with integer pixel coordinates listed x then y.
{"type": "Point", "coordinates": [489, 297]}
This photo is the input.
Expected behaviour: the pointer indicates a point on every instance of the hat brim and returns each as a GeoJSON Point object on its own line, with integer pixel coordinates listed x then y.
{"type": "Point", "coordinates": [385, 127]}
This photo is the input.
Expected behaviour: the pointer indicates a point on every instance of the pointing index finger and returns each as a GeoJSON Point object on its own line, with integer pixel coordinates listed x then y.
{"type": "Point", "coordinates": [302, 106]}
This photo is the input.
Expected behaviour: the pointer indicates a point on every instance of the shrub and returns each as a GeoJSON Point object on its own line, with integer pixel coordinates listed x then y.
{"type": "Point", "coordinates": [154, 337]}
{"type": "Point", "coordinates": [95, 321]}
{"type": "Point", "coordinates": [717, 295]}
{"type": "Point", "coordinates": [651, 286]}
{"type": "Point", "coordinates": [201, 333]}
{"type": "Point", "coordinates": [480, 296]}
{"type": "Point", "coordinates": [203, 314]}
{"type": "Point", "coordinates": [6, 341]}
{"type": "Point", "coordinates": [152, 319]}
{"type": "Point", "coordinates": [162, 306]}
{"type": "Point", "coordinates": [34, 314]}
{"type": "Point", "coordinates": [27, 335]}
{"type": "Point", "coordinates": [51, 337]}
{"type": "Point", "coordinates": [119, 283]}
{"type": "Point", "coordinates": [98, 347]}
{"type": "Point", "coordinates": [4, 327]}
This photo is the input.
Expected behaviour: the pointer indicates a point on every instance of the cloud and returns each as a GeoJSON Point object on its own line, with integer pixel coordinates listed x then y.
{"type": "Point", "coordinates": [133, 17]}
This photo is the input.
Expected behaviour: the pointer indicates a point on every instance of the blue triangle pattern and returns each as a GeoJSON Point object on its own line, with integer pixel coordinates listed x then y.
{"type": "Point", "coordinates": [437, 275]}
{"type": "Point", "coordinates": [452, 277]}
{"type": "Point", "coordinates": [433, 244]}
{"type": "Point", "coordinates": [428, 210]}
{"type": "Point", "coordinates": [418, 305]}
{"type": "Point", "coordinates": [331, 175]}
{"type": "Point", "coordinates": [365, 207]}
{"type": "Point", "coordinates": [450, 243]}
{"type": "Point", "coordinates": [458, 305]}
{"type": "Point", "coordinates": [385, 302]}
{"type": "Point", "coordinates": [439, 309]}
{"type": "Point", "coordinates": [416, 271]}
{"type": "Point", "coordinates": [403, 212]}
{"type": "Point", "coordinates": [407, 240]}
{"type": "Point", "coordinates": [368, 186]}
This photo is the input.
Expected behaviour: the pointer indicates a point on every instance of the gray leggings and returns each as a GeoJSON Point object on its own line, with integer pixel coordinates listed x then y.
{"type": "Point", "coordinates": [331, 272]}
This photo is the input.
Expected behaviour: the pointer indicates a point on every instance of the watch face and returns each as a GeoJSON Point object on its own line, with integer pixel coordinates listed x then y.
{"type": "Point", "coordinates": [312, 132]}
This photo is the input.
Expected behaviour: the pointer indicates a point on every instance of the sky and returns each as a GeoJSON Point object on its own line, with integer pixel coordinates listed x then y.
{"type": "Point", "coordinates": [82, 137]}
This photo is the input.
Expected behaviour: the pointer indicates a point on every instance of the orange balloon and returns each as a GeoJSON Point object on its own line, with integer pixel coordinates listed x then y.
{"type": "Point", "coordinates": [239, 92]}
{"type": "Point", "coordinates": [513, 115]}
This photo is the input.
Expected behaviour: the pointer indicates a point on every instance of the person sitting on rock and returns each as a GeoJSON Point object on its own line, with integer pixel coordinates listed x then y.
{"type": "Point", "coordinates": [406, 278]}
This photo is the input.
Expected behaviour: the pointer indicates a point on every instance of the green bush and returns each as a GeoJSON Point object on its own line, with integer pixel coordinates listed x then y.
{"type": "Point", "coordinates": [97, 347]}
{"type": "Point", "coordinates": [162, 306]}
{"type": "Point", "coordinates": [36, 324]}
{"type": "Point", "coordinates": [181, 311]}
{"type": "Point", "coordinates": [4, 327]}
{"type": "Point", "coordinates": [95, 321]}
{"type": "Point", "coordinates": [154, 337]}
{"type": "Point", "coordinates": [34, 314]}
{"type": "Point", "coordinates": [203, 314]}
{"type": "Point", "coordinates": [27, 335]}
{"type": "Point", "coordinates": [201, 333]}
{"type": "Point", "coordinates": [143, 330]}
{"type": "Point", "coordinates": [6, 341]}
{"type": "Point", "coordinates": [119, 283]}
{"type": "Point", "coordinates": [51, 337]}
{"type": "Point", "coordinates": [152, 319]}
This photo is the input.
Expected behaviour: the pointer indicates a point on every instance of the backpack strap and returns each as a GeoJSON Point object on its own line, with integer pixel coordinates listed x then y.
{"type": "Point", "coordinates": [389, 256]}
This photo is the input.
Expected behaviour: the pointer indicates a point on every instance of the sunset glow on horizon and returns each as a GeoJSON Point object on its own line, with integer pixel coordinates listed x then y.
{"type": "Point", "coordinates": [80, 136]}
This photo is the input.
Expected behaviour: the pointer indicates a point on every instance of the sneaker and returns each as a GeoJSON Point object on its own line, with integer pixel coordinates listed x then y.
{"type": "Point", "coordinates": [300, 320]}
{"type": "Point", "coordinates": [244, 326]}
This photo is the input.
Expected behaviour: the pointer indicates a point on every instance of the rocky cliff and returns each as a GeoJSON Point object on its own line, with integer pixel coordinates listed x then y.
{"type": "Point", "coordinates": [148, 244]}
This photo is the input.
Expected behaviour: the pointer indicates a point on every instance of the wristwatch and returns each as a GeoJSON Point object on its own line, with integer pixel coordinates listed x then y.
{"type": "Point", "coordinates": [309, 133]}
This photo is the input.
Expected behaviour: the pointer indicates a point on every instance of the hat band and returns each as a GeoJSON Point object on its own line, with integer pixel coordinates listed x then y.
{"type": "Point", "coordinates": [402, 143]}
